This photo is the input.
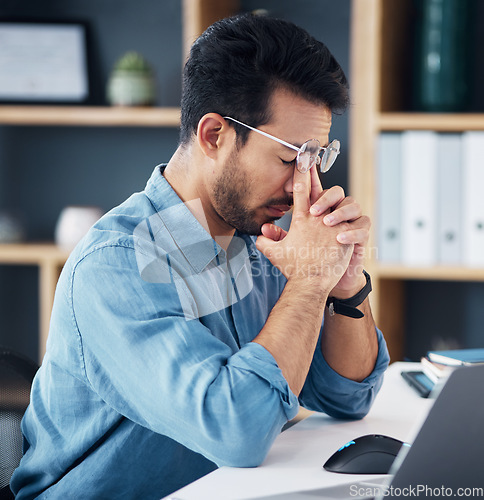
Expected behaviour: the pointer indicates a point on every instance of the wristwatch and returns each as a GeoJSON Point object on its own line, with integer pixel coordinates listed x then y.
{"type": "Point", "coordinates": [347, 307]}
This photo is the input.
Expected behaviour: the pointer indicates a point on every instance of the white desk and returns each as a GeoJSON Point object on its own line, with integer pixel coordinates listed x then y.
{"type": "Point", "coordinates": [295, 460]}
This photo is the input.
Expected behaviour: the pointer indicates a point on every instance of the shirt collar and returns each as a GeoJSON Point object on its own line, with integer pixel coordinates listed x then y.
{"type": "Point", "coordinates": [191, 238]}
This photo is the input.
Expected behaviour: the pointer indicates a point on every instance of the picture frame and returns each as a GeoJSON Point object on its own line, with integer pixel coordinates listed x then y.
{"type": "Point", "coordinates": [44, 62]}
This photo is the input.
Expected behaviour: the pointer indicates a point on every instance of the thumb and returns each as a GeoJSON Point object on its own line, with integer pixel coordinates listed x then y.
{"type": "Point", "coordinates": [266, 246]}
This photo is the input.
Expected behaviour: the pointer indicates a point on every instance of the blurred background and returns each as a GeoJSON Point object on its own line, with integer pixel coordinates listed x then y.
{"type": "Point", "coordinates": [46, 168]}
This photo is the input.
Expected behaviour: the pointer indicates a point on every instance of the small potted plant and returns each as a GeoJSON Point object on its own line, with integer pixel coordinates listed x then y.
{"type": "Point", "coordinates": [132, 82]}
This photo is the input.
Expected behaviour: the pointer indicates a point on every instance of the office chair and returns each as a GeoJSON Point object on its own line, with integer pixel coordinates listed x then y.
{"type": "Point", "coordinates": [16, 375]}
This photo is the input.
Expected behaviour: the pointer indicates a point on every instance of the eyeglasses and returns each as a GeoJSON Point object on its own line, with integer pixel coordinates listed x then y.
{"type": "Point", "coordinates": [309, 154]}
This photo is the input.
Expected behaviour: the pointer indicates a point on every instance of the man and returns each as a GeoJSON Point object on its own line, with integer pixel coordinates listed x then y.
{"type": "Point", "coordinates": [179, 342]}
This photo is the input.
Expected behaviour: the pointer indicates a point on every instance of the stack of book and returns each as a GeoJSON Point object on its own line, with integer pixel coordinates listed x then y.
{"type": "Point", "coordinates": [437, 365]}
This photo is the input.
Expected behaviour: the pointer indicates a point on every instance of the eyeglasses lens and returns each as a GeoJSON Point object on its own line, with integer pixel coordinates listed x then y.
{"type": "Point", "coordinates": [308, 156]}
{"type": "Point", "coordinates": [312, 154]}
{"type": "Point", "coordinates": [330, 154]}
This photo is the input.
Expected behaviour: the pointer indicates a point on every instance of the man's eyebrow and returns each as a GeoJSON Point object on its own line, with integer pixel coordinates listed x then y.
{"type": "Point", "coordinates": [295, 144]}
{"type": "Point", "coordinates": [283, 149]}
{"type": "Point", "coordinates": [298, 145]}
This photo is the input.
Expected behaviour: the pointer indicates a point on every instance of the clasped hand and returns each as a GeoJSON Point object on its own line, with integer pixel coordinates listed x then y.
{"type": "Point", "coordinates": [326, 239]}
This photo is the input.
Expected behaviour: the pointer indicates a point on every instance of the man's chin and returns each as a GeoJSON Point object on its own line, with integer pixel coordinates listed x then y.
{"type": "Point", "coordinates": [256, 228]}
{"type": "Point", "coordinates": [250, 232]}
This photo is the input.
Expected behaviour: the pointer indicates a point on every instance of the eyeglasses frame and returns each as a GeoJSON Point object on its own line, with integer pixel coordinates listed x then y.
{"type": "Point", "coordinates": [293, 147]}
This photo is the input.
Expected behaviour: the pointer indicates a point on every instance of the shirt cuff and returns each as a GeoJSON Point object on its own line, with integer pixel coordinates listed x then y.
{"type": "Point", "coordinates": [328, 391]}
{"type": "Point", "coordinates": [256, 359]}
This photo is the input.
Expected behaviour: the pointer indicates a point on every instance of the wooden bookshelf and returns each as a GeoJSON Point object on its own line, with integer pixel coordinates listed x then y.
{"type": "Point", "coordinates": [91, 116]}
{"type": "Point", "coordinates": [200, 14]}
{"type": "Point", "coordinates": [380, 34]}
{"type": "Point", "coordinates": [435, 273]}
{"type": "Point", "coordinates": [440, 122]}
{"type": "Point", "coordinates": [196, 16]}
{"type": "Point", "coordinates": [49, 259]}
{"type": "Point", "coordinates": [32, 253]}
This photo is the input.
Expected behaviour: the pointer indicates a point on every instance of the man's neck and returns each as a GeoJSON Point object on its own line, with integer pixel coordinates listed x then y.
{"type": "Point", "coordinates": [183, 175]}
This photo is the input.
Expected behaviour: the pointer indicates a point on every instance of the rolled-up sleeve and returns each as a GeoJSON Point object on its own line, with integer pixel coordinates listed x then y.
{"type": "Point", "coordinates": [327, 391]}
{"type": "Point", "coordinates": [172, 375]}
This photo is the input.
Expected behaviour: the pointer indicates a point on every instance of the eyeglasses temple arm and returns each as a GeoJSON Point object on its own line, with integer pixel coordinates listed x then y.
{"type": "Point", "coordinates": [280, 141]}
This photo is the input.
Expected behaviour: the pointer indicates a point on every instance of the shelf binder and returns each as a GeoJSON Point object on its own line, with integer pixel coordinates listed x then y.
{"type": "Point", "coordinates": [449, 195]}
{"type": "Point", "coordinates": [473, 183]}
{"type": "Point", "coordinates": [389, 180]}
{"type": "Point", "coordinates": [419, 197]}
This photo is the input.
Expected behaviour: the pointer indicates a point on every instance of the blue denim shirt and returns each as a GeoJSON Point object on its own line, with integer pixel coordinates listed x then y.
{"type": "Point", "coordinates": [151, 378]}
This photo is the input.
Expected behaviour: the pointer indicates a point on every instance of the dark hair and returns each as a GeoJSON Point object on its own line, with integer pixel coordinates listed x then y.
{"type": "Point", "coordinates": [238, 62]}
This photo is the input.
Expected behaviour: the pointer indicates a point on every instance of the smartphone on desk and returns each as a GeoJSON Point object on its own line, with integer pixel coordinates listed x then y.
{"type": "Point", "coordinates": [419, 381]}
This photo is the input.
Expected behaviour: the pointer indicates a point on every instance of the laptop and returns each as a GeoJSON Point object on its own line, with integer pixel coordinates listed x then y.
{"type": "Point", "coordinates": [446, 458]}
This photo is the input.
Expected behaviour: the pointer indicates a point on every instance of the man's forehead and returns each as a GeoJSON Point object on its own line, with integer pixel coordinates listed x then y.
{"type": "Point", "coordinates": [296, 120]}
{"type": "Point", "coordinates": [285, 101]}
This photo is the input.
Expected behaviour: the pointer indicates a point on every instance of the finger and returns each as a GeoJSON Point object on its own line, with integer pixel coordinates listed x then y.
{"type": "Point", "coordinates": [354, 237]}
{"type": "Point", "coordinates": [316, 186]}
{"type": "Point", "coordinates": [358, 256]}
{"type": "Point", "coordinates": [330, 198]}
{"type": "Point", "coordinates": [301, 190]}
{"type": "Point", "coordinates": [358, 259]}
{"type": "Point", "coordinates": [273, 232]}
{"type": "Point", "coordinates": [265, 246]}
{"type": "Point", "coordinates": [344, 213]}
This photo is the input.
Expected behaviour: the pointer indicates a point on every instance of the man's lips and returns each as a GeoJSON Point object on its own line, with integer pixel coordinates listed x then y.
{"type": "Point", "coordinates": [278, 210]}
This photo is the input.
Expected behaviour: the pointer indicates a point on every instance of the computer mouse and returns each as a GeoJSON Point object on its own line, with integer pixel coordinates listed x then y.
{"type": "Point", "coordinates": [370, 454]}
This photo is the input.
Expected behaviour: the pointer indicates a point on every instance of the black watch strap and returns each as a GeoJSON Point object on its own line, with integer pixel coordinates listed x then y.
{"type": "Point", "coordinates": [347, 307]}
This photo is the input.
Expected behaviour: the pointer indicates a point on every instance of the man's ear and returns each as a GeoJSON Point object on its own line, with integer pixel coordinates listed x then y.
{"type": "Point", "coordinates": [213, 133]}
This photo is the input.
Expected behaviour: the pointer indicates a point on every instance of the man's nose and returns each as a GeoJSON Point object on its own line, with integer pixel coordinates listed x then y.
{"type": "Point", "coordinates": [288, 185]}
